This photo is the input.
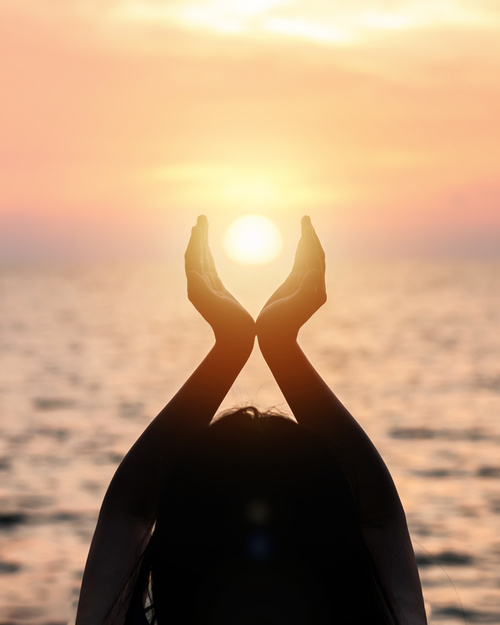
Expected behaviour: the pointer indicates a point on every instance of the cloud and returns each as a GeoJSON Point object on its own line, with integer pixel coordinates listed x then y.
{"type": "Point", "coordinates": [317, 21]}
{"type": "Point", "coordinates": [152, 26]}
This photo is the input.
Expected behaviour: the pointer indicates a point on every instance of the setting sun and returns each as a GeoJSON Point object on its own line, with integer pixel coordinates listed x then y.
{"type": "Point", "coordinates": [252, 240]}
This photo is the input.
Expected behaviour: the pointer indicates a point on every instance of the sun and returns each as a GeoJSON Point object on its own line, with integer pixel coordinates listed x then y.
{"type": "Point", "coordinates": [252, 240]}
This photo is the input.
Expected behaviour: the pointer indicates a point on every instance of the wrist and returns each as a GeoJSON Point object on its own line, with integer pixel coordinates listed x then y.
{"type": "Point", "coordinates": [275, 343]}
{"type": "Point", "coordinates": [235, 332]}
{"type": "Point", "coordinates": [235, 346]}
{"type": "Point", "coordinates": [272, 332]}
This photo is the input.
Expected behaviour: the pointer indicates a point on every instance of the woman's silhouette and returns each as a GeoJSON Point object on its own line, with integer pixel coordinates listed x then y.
{"type": "Point", "coordinates": [256, 519]}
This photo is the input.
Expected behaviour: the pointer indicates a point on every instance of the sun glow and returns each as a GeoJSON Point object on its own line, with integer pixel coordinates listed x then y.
{"type": "Point", "coordinates": [252, 240]}
{"type": "Point", "coordinates": [256, 191]}
{"type": "Point", "coordinates": [231, 185]}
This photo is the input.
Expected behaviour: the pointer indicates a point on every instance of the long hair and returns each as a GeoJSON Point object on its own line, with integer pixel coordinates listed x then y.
{"type": "Point", "coordinates": [257, 524]}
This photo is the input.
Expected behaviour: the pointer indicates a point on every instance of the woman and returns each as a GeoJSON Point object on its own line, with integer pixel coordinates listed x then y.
{"type": "Point", "coordinates": [254, 519]}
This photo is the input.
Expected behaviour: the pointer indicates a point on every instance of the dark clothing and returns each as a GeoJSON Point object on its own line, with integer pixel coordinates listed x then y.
{"type": "Point", "coordinates": [275, 540]}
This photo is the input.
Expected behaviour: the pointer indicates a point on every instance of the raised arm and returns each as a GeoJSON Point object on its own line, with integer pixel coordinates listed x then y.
{"type": "Point", "coordinates": [317, 408]}
{"type": "Point", "coordinates": [313, 403]}
{"type": "Point", "coordinates": [129, 507]}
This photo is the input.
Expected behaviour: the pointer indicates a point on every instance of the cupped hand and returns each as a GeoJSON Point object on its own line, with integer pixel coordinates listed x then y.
{"type": "Point", "coordinates": [227, 317]}
{"type": "Point", "coordinates": [300, 296]}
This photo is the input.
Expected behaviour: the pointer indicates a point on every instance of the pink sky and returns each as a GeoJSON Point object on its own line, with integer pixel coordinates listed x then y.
{"type": "Point", "coordinates": [122, 120]}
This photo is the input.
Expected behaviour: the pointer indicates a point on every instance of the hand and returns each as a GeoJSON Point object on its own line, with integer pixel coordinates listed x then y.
{"type": "Point", "coordinates": [229, 320]}
{"type": "Point", "coordinates": [300, 296]}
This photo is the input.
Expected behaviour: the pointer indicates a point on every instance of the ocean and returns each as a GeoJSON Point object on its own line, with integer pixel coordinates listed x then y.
{"type": "Point", "coordinates": [91, 353]}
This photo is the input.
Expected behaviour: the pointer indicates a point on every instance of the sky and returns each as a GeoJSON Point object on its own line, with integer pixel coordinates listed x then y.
{"type": "Point", "coordinates": [122, 120]}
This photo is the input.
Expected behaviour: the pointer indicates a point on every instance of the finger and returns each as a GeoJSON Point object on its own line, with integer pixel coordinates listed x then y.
{"type": "Point", "coordinates": [314, 258]}
{"type": "Point", "coordinates": [319, 249]}
{"type": "Point", "coordinates": [193, 255]}
{"type": "Point", "coordinates": [310, 281]}
{"type": "Point", "coordinates": [214, 281]}
{"type": "Point", "coordinates": [315, 252]}
{"type": "Point", "coordinates": [305, 222]}
{"type": "Point", "coordinates": [198, 288]}
{"type": "Point", "coordinates": [320, 254]}
{"type": "Point", "coordinates": [199, 292]}
{"type": "Point", "coordinates": [305, 249]}
{"type": "Point", "coordinates": [311, 258]}
{"type": "Point", "coordinates": [311, 290]}
{"type": "Point", "coordinates": [202, 224]}
{"type": "Point", "coordinates": [300, 260]}
{"type": "Point", "coordinates": [208, 259]}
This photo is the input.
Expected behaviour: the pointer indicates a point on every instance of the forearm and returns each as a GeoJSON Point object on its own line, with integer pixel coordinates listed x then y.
{"type": "Point", "coordinates": [313, 403]}
{"type": "Point", "coordinates": [129, 507]}
{"type": "Point", "coordinates": [194, 405]}
{"type": "Point", "coordinates": [317, 408]}
{"type": "Point", "coordinates": [139, 479]}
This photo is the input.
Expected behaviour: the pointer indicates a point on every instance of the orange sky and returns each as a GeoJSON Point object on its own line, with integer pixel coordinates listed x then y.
{"type": "Point", "coordinates": [122, 120]}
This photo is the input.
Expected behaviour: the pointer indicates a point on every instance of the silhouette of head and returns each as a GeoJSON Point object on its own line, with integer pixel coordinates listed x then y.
{"type": "Point", "coordinates": [257, 524]}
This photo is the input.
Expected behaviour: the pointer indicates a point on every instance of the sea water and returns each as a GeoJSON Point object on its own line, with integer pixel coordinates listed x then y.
{"type": "Point", "coordinates": [90, 354]}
